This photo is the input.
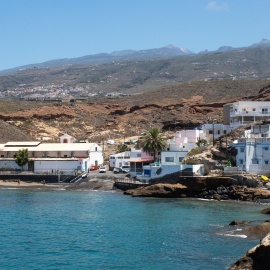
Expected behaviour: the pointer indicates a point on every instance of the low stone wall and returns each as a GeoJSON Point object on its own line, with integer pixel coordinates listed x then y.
{"type": "Point", "coordinates": [35, 178]}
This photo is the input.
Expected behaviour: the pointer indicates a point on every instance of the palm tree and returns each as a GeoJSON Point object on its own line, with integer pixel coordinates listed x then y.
{"type": "Point", "coordinates": [121, 148]}
{"type": "Point", "coordinates": [153, 141]}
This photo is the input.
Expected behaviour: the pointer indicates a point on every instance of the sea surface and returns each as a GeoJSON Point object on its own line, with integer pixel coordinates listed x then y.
{"type": "Point", "coordinates": [107, 230]}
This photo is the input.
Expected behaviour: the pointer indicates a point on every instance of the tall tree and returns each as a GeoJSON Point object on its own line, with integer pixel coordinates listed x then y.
{"type": "Point", "coordinates": [22, 157]}
{"type": "Point", "coordinates": [153, 141]}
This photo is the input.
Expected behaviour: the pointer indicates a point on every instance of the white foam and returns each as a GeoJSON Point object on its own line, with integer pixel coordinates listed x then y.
{"type": "Point", "coordinates": [233, 235]}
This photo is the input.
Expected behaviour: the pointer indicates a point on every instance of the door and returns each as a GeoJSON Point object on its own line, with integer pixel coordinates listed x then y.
{"type": "Point", "coordinates": [31, 166]}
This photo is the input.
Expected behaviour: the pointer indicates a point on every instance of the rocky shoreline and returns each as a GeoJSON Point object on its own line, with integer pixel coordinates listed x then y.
{"type": "Point", "coordinates": [230, 192]}
{"type": "Point", "coordinates": [257, 258]}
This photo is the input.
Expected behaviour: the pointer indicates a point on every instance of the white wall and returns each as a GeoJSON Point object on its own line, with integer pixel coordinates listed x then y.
{"type": "Point", "coordinates": [175, 155]}
{"type": "Point", "coordinates": [96, 155]}
{"type": "Point", "coordinates": [58, 165]}
{"type": "Point", "coordinates": [169, 169]}
{"type": "Point", "coordinates": [11, 165]}
{"type": "Point", "coordinates": [259, 151]}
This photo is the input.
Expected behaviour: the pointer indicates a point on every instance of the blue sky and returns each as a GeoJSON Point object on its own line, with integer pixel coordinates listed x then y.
{"type": "Point", "coordinates": [34, 31]}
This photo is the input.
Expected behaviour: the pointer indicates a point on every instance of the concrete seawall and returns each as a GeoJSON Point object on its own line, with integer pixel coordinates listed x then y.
{"type": "Point", "coordinates": [37, 177]}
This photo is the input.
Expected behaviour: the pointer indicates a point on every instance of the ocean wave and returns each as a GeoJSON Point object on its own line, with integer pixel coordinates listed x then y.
{"type": "Point", "coordinates": [232, 234]}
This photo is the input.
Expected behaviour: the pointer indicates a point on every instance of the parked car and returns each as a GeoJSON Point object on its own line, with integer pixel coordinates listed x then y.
{"type": "Point", "coordinates": [102, 169]}
{"type": "Point", "coordinates": [125, 168]}
{"type": "Point", "coordinates": [93, 167]}
{"type": "Point", "coordinates": [118, 170]}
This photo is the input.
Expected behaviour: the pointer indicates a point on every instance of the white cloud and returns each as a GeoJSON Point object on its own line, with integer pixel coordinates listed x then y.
{"type": "Point", "coordinates": [213, 5]}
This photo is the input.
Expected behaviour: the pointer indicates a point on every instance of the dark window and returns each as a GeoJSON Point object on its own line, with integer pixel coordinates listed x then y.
{"type": "Point", "coordinates": [169, 159]}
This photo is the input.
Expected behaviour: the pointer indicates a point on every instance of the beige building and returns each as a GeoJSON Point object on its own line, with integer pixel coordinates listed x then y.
{"type": "Point", "coordinates": [65, 156]}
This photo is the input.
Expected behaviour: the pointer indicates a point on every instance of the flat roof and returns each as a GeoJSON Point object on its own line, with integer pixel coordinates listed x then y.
{"type": "Point", "coordinates": [14, 144]}
{"type": "Point", "coordinates": [44, 147]}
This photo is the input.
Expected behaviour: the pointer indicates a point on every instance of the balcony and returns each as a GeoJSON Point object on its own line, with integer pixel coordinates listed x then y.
{"type": "Point", "coordinates": [240, 123]}
{"type": "Point", "coordinates": [249, 113]}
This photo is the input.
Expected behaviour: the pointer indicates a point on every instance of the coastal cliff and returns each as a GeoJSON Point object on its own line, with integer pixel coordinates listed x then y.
{"type": "Point", "coordinates": [257, 258]}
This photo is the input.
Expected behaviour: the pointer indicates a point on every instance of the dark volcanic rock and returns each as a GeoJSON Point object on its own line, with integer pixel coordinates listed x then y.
{"type": "Point", "coordinates": [159, 190]}
{"type": "Point", "coordinates": [239, 223]}
{"type": "Point", "coordinates": [266, 211]}
{"type": "Point", "coordinates": [258, 231]}
{"type": "Point", "coordinates": [258, 258]}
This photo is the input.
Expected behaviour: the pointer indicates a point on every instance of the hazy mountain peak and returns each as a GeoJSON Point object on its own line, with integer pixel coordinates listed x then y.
{"type": "Point", "coordinates": [263, 43]}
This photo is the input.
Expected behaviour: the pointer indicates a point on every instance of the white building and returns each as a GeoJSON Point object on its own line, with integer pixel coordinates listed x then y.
{"type": "Point", "coordinates": [52, 157]}
{"type": "Point", "coordinates": [258, 131]}
{"type": "Point", "coordinates": [245, 112]}
{"type": "Point", "coordinates": [184, 140]}
{"type": "Point", "coordinates": [253, 154]}
{"type": "Point", "coordinates": [171, 162]}
{"type": "Point", "coordinates": [213, 131]}
{"type": "Point", "coordinates": [120, 159]}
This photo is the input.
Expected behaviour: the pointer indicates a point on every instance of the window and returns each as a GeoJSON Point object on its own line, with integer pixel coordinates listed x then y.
{"type": "Point", "coordinates": [254, 109]}
{"type": "Point", "coordinates": [181, 159]}
{"type": "Point", "coordinates": [169, 159]}
{"type": "Point", "coordinates": [218, 132]}
{"type": "Point", "coordinates": [242, 149]}
{"type": "Point", "coordinates": [266, 162]}
{"type": "Point", "coordinates": [241, 161]}
{"type": "Point", "coordinates": [266, 148]}
{"type": "Point", "coordinates": [255, 161]}
{"type": "Point", "coordinates": [96, 149]}
{"type": "Point", "coordinates": [139, 155]}
{"type": "Point", "coordinates": [65, 156]}
{"type": "Point", "coordinates": [210, 131]}
{"type": "Point", "coordinates": [264, 110]}
{"type": "Point", "coordinates": [112, 157]}
{"type": "Point", "coordinates": [2, 156]}
{"type": "Point", "coordinates": [225, 132]}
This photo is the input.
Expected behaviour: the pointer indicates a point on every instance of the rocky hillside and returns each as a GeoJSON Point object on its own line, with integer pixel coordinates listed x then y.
{"type": "Point", "coordinates": [183, 106]}
{"type": "Point", "coordinates": [129, 77]}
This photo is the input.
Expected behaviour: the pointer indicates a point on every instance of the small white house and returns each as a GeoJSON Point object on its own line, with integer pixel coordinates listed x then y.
{"type": "Point", "coordinates": [171, 162]}
{"type": "Point", "coordinates": [214, 131]}
{"type": "Point", "coordinates": [66, 139]}
{"type": "Point", "coordinates": [184, 140]}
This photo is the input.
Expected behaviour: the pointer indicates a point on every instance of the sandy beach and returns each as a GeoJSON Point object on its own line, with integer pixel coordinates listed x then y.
{"type": "Point", "coordinates": [22, 184]}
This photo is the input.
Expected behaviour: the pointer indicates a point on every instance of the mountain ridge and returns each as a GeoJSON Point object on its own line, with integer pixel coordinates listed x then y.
{"type": "Point", "coordinates": [127, 55]}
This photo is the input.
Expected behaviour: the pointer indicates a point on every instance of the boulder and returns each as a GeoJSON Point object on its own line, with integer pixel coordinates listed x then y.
{"type": "Point", "coordinates": [258, 231]}
{"type": "Point", "coordinates": [159, 190]}
{"type": "Point", "coordinates": [239, 223]}
{"type": "Point", "coordinates": [266, 211]}
{"type": "Point", "coordinates": [257, 258]}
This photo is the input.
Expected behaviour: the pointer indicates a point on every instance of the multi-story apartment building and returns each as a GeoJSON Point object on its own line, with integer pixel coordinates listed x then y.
{"type": "Point", "coordinates": [245, 112]}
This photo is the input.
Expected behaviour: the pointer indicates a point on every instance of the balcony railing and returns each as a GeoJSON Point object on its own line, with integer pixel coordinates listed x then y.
{"type": "Point", "coordinates": [240, 123]}
{"type": "Point", "coordinates": [251, 113]}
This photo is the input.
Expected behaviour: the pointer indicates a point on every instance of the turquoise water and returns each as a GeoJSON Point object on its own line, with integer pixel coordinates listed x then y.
{"type": "Point", "coordinates": [104, 230]}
